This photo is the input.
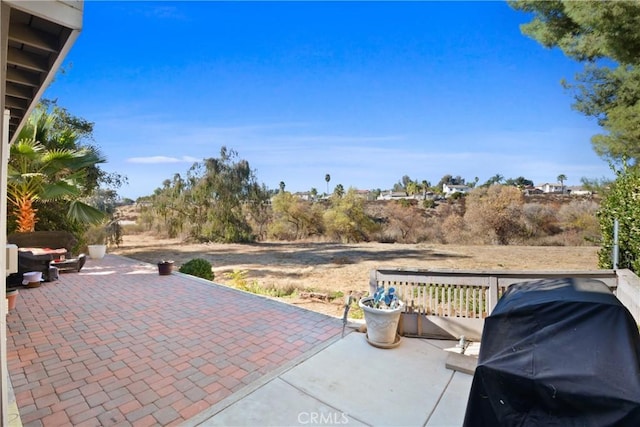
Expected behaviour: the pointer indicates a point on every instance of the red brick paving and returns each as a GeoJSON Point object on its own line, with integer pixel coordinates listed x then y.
{"type": "Point", "coordinates": [117, 345]}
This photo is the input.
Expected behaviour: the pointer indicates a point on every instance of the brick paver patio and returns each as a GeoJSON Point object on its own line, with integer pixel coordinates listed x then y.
{"type": "Point", "coordinates": [117, 344]}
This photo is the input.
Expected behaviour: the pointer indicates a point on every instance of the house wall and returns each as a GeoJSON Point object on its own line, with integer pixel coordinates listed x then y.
{"type": "Point", "coordinates": [67, 13]}
{"type": "Point", "coordinates": [4, 140]}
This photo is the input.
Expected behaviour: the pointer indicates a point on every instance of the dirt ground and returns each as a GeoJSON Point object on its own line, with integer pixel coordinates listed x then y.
{"type": "Point", "coordinates": [331, 267]}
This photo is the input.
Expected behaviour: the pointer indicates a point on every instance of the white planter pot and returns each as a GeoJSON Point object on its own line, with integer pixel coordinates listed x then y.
{"type": "Point", "coordinates": [97, 251]}
{"type": "Point", "coordinates": [382, 325]}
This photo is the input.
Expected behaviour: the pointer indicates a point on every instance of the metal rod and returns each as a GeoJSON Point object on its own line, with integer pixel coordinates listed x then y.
{"type": "Point", "coordinates": [616, 248]}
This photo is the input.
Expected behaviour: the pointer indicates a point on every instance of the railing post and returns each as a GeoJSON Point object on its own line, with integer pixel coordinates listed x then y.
{"type": "Point", "coordinates": [373, 282]}
{"type": "Point", "coordinates": [492, 298]}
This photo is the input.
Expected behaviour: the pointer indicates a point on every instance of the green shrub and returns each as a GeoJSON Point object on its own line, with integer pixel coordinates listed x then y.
{"type": "Point", "coordinates": [428, 203]}
{"type": "Point", "coordinates": [198, 267]}
{"type": "Point", "coordinates": [621, 203]}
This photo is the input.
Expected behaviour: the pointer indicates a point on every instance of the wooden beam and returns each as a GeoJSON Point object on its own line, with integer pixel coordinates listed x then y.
{"type": "Point", "coordinates": [461, 363]}
{"type": "Point", "coordinates": [27, 60]}
{"type": "Point", "coordinates": [16, 103]}
{"type": "Point", "coordinates": [25, 34]}
{"type": "Point", "coordinates": [23, 77]}
{"type": "Point", "coordinates": [19, 91]}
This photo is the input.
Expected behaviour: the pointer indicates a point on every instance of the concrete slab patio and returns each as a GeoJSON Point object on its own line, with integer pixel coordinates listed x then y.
{"type": "Point", "coordinates": [117, 344]}
{"type": "Point", "coordinates": [352, 383]}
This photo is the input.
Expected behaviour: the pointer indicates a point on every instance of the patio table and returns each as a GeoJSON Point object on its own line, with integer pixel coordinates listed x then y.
{"type": "Point", "coordinates": [46, 254]}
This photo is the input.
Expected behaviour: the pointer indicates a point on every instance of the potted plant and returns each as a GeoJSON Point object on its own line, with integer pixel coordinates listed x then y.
{"type": "Point", "coordinates": [96, 238]}
{"type": "Point", "coordinates": [165, 267]}
{"type": "Point", "coordinates": [382, 313]}
{"type": "Point", "coordinates": [12, 296]}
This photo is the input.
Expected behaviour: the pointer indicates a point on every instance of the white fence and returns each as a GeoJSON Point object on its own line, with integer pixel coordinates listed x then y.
{"type": "Point", "coordinates": [450, 303]}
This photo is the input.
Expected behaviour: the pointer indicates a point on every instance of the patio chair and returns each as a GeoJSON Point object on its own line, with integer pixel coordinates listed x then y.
{"type": "Point", "coordinates": [42, 250]}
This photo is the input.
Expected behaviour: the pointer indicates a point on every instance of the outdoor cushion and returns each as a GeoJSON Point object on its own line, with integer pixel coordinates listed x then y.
{"type": "Point", "coordinates": [50, 242]}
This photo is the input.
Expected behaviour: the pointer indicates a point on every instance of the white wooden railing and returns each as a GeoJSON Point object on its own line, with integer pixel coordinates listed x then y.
{"type": "Point", "coordinates": [455, 302]}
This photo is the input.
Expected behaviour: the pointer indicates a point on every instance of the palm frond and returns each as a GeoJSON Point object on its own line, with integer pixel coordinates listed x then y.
{"type": "Point", "coordinates": [59, 190]}
{"type": "Point", "coordinates": [84, 213]}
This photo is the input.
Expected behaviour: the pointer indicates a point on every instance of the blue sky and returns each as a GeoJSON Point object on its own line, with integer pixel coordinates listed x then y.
{"type": "Point", "coordinates": [366, 92]}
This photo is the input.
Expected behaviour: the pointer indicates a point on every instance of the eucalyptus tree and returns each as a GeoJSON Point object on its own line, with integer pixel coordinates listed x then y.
{"type": "Point", "coordinates": [169, 206]}
{"type": "Point", "coordinates": [346, 219]}
{"type": "Point", "coordinates": [213, 201]}
{"type": "Point", "coordinates": [294, 218]}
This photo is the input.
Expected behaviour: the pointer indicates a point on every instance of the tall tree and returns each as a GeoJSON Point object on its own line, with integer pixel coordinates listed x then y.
{"type": "Point", "coordinates": [294, 218]}
{"type": "Point", "coordinates": [346, 219]}
{"type": "Point", "coordinates": [519, 182]}
{"type": "Point", "coordinates": [561, 179]}
{"type": "Point", "coordinates": [495, 212]}
{"type": "Point", "coordinates": [327, 178]}
{"type": "Point", "coordinates": [211, 202]}
{"type": "Point", "coordinates": [412, 187]}
{"type": "Point", "coordinates": [425, 187]}
{"type": "Point", "coordinates": [603, 35]}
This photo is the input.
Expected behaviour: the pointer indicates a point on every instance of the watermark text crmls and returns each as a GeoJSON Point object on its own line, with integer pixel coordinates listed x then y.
{"type": "Point", "coordinates": [322, 418]}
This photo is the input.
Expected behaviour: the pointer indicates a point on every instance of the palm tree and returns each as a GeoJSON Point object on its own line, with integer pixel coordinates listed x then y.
{"type": "Point", "coordinates": [412, 187]}
{"type": "Point", "coordinates": [497, 178]}
{"type": "Point", "coordinates": [282, 185]}
{"type": "Point", "coordinates": [38, 173]}
{"type": "Point", "coordinates": [561, 179]}
{"type": "Point", "coordinates": [327, 178]}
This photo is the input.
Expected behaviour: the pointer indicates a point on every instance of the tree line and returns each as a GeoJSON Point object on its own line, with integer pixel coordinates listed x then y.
{"type": "Point", "coordinates": [220, 200]}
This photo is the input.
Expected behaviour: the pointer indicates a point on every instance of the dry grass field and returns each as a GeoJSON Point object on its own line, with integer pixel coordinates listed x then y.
{"type": "Point", "coordinates": [331, 267]}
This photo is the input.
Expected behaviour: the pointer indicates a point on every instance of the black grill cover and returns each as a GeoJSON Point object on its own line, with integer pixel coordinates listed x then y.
{"type": "Point", "coordinates": [557, 352]}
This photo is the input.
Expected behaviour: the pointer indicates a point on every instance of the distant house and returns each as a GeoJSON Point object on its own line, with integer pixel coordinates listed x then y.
{"type": "Point", "coordinates": [531, 190]}
{"type": "Point", "coordinates": [304, 195]}
{"type": "Point", "coordinates": [363, 194]}
{"type": "Point", "coordinates": [579, 191]}
{"type": "Point", "coordinates": [449, 189]}
{"type": "Point", "coordinates": [393, 195]}
{"type": "Point", "coordinates": [548, 188]}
